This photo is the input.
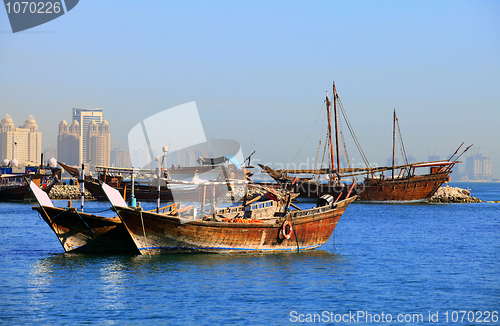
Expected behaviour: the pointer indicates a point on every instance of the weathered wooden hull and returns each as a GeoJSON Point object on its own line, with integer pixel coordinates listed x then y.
{"type": "Point", "coordinates": [18, 193]}
{"type": "Point", "coordinates": [416, 188]}
{"type": "Point", "coordinates": [140, 192]}
{"type": "Point", "coordinates": [21, 192]}
{"type": "Point", "coordinates": [158, 233]}
{"type": "Point", "coordinates": [87, 233]}
{"type": "Point", "coordinates": [149, 193]}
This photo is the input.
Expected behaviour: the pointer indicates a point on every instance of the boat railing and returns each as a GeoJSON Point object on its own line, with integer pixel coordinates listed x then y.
{"type": "Point", "coordinates": [227, 210]}
{"type": "Point", "coordinates": [12, 181]}
{"type": "Point", "coordinates": [265, 204]}
{"type": "Point", "coordinates": [164, 209]}
{"type": "Point", "coordinates": [310, 211]}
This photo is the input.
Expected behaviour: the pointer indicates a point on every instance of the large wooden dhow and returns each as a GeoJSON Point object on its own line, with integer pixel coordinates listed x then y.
{"type": "Point", "coordinates": [80, 232]}
{"type": "Point", "coordinates": [259, 227]}
{"type": "Point", "coordinates": [146, 188]}
{"type": "Point", "coordinates": [408, 187]}
{"type": "Point", "coordinates": [404, 184]}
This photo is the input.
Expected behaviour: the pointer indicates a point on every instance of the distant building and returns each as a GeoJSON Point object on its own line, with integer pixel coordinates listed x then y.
{"type": "Point", "coordinates": [49, 152]}
{"type": "Point", "coordinates": [478, 167]}
{"type": "Point", "coordinates": [69, 143]}
{"type": "Point", "coordinates": [120, 158]}
{"type": "Point", "coordinates": [98, 143]}
{"type": "Point", "coordinates": [23, 143]}
{"type": "Point", "coordinates": [141, 159]}
{"type": "Point", "coordinates": [86, 140]}
{"type": "Point", "coordinates": [84, 118]}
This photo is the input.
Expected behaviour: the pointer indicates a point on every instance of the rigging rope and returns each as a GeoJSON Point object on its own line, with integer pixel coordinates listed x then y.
{"type": "Point", "coordinates": [402, 147]}
{"type": "Point", "coordinates": [316, 165]}
{"type": "Point", "coordinates": [324, 152]}
{"type": "Point", "coordinates": [144, 232]}
{"type": "Point", "coordinates": [346, 154]}
{"type": "Point", "coordinates": [95, 212]}
{"type": "Point", "coordinates": [309, 134]}
{"type": "Point", "coordinates": [356, 142]}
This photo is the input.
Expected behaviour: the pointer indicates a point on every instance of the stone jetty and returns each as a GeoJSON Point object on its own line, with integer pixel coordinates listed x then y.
{"type": "Point", "coordinates": [448, 194]}
{"type": "Point", "coordinates": [68, 192]}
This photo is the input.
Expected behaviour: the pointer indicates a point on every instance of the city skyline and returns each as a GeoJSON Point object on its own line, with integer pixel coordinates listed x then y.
{"type": "Point", "coordinates": [475, 165]}
{"type": "Point", "coordinates": [259, 72]}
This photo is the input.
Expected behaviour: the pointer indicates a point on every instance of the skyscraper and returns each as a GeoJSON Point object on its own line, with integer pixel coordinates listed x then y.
{"type": "Point", "coordinates": [478, 167]}
{"type": "Point", "coordinates": [84, 118]}
{"type": "Point", "coordinates": [120, 158]}
{"type": "Point", "coordinates": [49, 152]}
{"type": "Point", "coordinates": [98, 143]}
{"type": "Point", "coordinates": [69, 143]}
{"type": "Point", "coordinates": [23, 143]}
{"type": "Point", "coordinates": [86, 141]}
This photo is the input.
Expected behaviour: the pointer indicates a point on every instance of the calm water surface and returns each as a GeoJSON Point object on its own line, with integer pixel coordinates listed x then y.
{"type": "Point", "coordinates": [414, 260]}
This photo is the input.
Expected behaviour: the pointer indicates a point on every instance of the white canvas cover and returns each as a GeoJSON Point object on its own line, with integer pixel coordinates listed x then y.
{"type": "Point", "coordinates": [40, 195]}
{"type": "Point", "coordinates": [114, 196]}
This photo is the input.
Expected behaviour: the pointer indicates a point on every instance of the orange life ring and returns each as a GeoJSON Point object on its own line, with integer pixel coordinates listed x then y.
{"type": "Point", "coordinates": [231, 175]}
{"type": "Point", "coordinates": [286, 230]}
{"type": "Point", "coordinates": [28, 171]}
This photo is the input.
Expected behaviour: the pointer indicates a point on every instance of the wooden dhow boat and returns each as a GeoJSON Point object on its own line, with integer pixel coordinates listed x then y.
{"type": "Point", "coordinates": [15, 186]}
{"type": "Point", "coordinates": [146, 189]}
{"type": "Point", "coordinates": [404, 184]}
{"type": "Point", "coordinates": [81, 232]}
{"type": "Point", "coordinates": [259, 227]}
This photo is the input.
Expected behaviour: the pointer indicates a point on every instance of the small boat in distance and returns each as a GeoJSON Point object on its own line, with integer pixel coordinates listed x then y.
{"type": "Point", "coordinates": [404, 185]}
{"type": "Point", "coordinates": [15, 186]}
{"type": "Point", "coordinates": [262, 227]}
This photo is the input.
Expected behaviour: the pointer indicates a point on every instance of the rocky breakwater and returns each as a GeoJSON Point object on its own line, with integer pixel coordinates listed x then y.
{"type": "Point", "coordinates": [68, 192]}
{"type": "Point", "coordinates": [453, 195]}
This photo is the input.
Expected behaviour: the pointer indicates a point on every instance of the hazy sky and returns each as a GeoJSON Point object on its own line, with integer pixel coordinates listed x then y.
{"type": "Point", "coordinates": [258, 71]}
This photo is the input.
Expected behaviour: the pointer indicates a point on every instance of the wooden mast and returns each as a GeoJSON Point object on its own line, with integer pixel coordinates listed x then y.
{"type": "Point", "coordinates": [328, 104]}
{"type": "Point", "coordinates": [393, 142]}
{"type": "Point", "coordinates": [336, 128]}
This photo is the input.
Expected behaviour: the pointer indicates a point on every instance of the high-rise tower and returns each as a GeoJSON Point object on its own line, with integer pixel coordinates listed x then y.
{"type": "Point", "coordinates": [23, 143]}
{"type": "Point", "coordinates": [84, 118]}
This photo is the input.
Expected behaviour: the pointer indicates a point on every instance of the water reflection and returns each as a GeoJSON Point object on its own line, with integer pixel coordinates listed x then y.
{"type": "Point", "coordinates": [111, 285]}
{"type": "Point", "coordinates": [113, 270]}
{"type": "Point", "coordinates": [74, 279]}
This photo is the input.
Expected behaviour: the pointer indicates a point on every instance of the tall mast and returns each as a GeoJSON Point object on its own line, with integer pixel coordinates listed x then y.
{"type": "Point", "coordinates": [336, 127]}
{"type": "Point", "coordinates": [328, 104]}
{"type": "Point", "coordinates": [393, 142]}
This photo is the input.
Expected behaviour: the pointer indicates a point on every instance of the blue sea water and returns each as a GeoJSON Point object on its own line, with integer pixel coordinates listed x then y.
{"type": "Point", "coordinates": [421, 263]}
